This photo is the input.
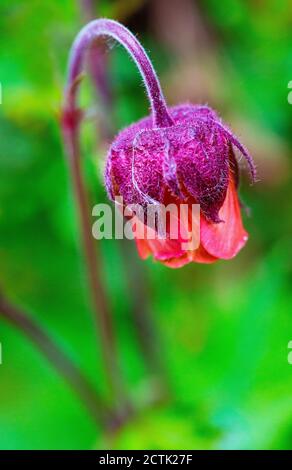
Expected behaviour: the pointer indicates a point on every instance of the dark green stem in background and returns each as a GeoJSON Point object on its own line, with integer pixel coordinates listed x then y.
{"type": "Point", "coordinates": [141, 311]}
{"type": "Point", "coordinates": [98, 410]}
{"type": "Point", "coordinates": [94, 273]}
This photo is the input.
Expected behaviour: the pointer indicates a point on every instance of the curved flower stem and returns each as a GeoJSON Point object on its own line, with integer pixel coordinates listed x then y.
{"type": "Point", "coordinates": [135, 274]}
{"type": "Point", "coordinates": [71, 119]}
{"type": "Point", "coordinates": [112, 29]}
{"type": "Point", "coordinates": [98, 410]}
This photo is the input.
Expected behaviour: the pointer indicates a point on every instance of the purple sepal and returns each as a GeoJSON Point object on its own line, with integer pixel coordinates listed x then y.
{"type": "Point", "coordinates": [192, 159]}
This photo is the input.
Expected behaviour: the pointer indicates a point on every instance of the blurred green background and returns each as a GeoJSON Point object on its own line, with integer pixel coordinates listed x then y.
{"type": "Point", "coordinates": [221, 331]}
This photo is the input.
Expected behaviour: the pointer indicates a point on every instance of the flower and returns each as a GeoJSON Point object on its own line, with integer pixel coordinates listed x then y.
{"type": "Point", "coordinates": [182, 155]}
{"type": "Point", "coordinates": [191, 161]}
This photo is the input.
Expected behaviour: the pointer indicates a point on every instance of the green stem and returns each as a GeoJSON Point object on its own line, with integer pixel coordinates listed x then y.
{"type": "Point", "coordinates": [99, 299]}
{"type": "Point", "coordinates": [97, 409]}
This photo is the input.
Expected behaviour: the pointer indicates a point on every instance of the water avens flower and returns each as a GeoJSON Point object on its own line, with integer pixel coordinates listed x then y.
{"type": "Point", "coordinates": [180, 155]}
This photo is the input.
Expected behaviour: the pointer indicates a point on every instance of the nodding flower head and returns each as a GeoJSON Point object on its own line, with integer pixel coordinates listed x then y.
{"type": "Point", "coordinates": [181, 155]}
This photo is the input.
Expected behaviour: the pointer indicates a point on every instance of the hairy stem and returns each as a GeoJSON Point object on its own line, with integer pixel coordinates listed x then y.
{"type": "Point", "coordinates": [112, 29]}
{"type": "Point", "coordinates": [136, 277]}
{"type": "Point", "coordinates": [71, 119]}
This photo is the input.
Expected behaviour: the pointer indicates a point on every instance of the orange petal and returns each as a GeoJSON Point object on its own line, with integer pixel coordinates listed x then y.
{"type": "Point", "coordinates": [225, 239]}
{"type": "Point", "coordinates": [143, 248]}
{"type": "Point", "coordinates": [177, 262]}
{"type": "Point", "coordinates": [202, 256]}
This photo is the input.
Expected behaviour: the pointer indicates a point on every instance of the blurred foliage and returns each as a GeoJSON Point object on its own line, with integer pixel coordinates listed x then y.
{"type": "Point", "coordinates": [223, 330]}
